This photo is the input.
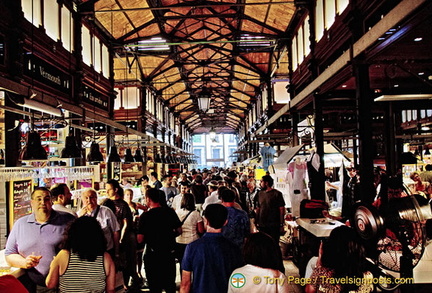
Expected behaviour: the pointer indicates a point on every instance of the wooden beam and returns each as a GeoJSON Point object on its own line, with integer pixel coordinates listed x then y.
{"type": "Point", "coordinates": [396, 15]}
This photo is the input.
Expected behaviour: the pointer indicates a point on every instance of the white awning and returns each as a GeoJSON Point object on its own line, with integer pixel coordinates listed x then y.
{"type": "Point", "coordinates": [333, 156]}
{"type": "Point", "coordinates": [286, 156]}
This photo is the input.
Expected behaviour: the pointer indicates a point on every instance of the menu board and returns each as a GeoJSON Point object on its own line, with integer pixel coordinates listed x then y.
{"type": "Point", "coordinates": [20, 199]}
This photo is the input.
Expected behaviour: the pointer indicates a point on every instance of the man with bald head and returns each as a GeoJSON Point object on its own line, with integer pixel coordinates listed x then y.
{"type": "Point", "coordinates": [35, 239]}
{"type": "Point", "coordinates": [106, 218]}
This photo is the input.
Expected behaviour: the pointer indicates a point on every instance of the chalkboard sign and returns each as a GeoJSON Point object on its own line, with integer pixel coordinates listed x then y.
{"type": "Point", "coordinates": [116, 170]}
{"type": "Point", "coordinates": [20, 199]}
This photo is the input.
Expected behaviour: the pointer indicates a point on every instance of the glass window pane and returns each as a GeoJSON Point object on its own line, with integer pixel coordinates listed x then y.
{"type": "Point", "coordinates": [32, 11]}
{"type": "Point", "coordinates": [105, 61]}
{"type": "Point", "coordinates": [330, 13]}
{"type": "Point", "coordinates": [97, 55]}
{"type": "Point", "coordinates": [66, 29]}
{"type": "Point", "coordinates": [319, 20]}
{"type": "Point", "coordinates": [306, 33]}
{"type": "Point", "coordinates": [294, 53]}
{"type": "Point", "coordinates": [51, 19]}
{"type": "Point", "coordinates": [86, 46]}
{"type": "Point", "coordinates": [341, 5]}
{"type": "Point", "coordinates": [300, 46]}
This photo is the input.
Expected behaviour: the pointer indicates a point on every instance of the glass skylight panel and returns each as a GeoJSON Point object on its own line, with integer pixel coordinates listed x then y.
{"type": "Point", "coordinates": [153, 44]}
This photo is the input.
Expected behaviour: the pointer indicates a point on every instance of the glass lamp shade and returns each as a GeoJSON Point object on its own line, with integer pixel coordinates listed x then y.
{"type": "Point", "coordinates": [95, 154]}
{"type": "Point", "coordinates": [113, 155]}
{"type": "Point", "coordinates": [71, 149]}
{"type": "Point", "coordinates": [128, 156]}
{"type": "Point", "coordinates": [138, 157]}
{"type": "Point", "coordinates": [33, 149]}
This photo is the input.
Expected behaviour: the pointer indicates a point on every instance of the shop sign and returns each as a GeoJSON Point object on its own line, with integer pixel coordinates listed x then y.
{"type": "Point", "coordinates": [95, 99]}
{"type": "Point", "coordinates": [44, 72]}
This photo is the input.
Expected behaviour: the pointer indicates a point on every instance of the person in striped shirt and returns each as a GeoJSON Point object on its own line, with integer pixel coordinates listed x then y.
{"type": "Point", "coordinates": [83, 265]}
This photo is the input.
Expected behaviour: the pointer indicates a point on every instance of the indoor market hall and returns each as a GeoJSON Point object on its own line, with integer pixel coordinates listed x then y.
{"type": "Point", "coordinates": [215, 146]}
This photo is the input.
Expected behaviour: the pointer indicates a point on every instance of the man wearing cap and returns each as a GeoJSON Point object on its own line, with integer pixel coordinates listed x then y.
{"type": "Point", "coordinates": [213, 194]}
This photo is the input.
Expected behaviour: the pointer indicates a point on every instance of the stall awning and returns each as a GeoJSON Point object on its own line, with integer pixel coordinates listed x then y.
{"type": "Point", "coordinates": [286, 156]}
{"type": "Point", "coordinates": [333, 156]}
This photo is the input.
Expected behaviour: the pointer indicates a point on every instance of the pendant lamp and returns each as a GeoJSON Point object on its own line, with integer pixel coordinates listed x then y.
{"type": "Point", "coordinates": [128, 157]}
{"type": "Point", "coordinates": [113, 155]}
{"type": "Point", "coordinates": [95, 154]}
{"type": "Point", "coordinates": [33, 149]}
{"type": "Point", "coordinates": [71, 149]}
{"type": "Point", "coordinates": [138, 157]}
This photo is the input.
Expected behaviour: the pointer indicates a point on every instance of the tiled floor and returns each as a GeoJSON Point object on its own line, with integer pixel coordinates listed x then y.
{"type": "Point", "coordinates": [290, 270]}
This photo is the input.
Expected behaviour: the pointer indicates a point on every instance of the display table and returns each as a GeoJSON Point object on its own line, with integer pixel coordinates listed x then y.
{"type": "Point", "coordinates": [320, 228]}
{"type": "Point", "coordinates": [5, 269]}
{"type": "Point", "coordinates": [311, 232]}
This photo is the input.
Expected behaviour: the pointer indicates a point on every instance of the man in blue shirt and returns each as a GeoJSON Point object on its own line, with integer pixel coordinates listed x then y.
{"type": "Point", "coordinates": [34, 239]}
{"type": "Point", "coordinates": [212, 258]}
{"type": "Point", "coordinates": [238, 226]}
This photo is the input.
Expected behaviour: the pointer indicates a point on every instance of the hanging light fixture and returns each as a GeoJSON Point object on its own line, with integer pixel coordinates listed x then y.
{"type": "Point", "coordinates": [33, 150]}
{"type": "Point", "coordinates": [113, 156]}
{"type": "Point", "coordinates": [71, 149]}
{"type": "Point", "coordinates": [95, 154]}
{"type": "Point", "coordinates": [138, 157]}
{"type": "Point", "coordinates": [204, 99]}
{"type": "Point", "coordinates": [128, 156]}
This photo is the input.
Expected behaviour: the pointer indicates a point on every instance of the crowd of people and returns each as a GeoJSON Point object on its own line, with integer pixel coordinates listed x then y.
{"type": "Point", "coordinates": [222, 228]}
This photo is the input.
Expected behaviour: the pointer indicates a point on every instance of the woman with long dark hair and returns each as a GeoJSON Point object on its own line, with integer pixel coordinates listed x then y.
{"type": "Point", "coordinates": [341, 258]}
{"type": "Point", "coordinates": [83, 265]}
{"type": "Point", "coordinates": [263, 260]}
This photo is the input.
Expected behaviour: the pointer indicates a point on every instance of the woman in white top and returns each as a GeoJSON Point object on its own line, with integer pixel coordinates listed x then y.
{"type": "Point", "coordinates": [192, 224]}
{"type": "Point", "coordinates": [262, 270]}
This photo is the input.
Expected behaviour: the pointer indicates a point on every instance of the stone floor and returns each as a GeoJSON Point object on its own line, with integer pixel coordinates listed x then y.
{"type": "Point", "coordinates": [290, 270]}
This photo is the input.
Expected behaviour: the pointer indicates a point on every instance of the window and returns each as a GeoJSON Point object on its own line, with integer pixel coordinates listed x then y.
{"type": "Point", "coordinates": [86, 46]}
{"type": "Point", "coordinates": [51, 19]}
{"type": "Point", "coordinates": [197, 138]}
{"type": "Point", "coordinates": [231, 138]}
{"type": "Point", "coordinates": [198, 155]}
{"type": "Point", "coordinates": [216, 153]}
{"type": "Point", "coordinates": [341, 5]}
{"type": "Point", "coordinates": [32, 11]}
{"type": "Point", "coordinates": [66, 29]}
{"type": "Point", "coordinates": [105, 61]}
{"type": "Point", "coordinates": [306, 38]}
{"type": "Point", "coordinates": [294, 54]}
{"type": "Point", "coordinates": [319, 20]}
{"type": "Point", "coordinates": [97, 55]}
{"type": "Point", "coordinates": [330, 13]}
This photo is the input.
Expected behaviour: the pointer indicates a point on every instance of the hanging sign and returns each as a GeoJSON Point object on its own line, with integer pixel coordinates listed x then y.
{"type": "Point", "coordinates": [44, 72]}
{"type": "Point", "coordinates": [95, 99]}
